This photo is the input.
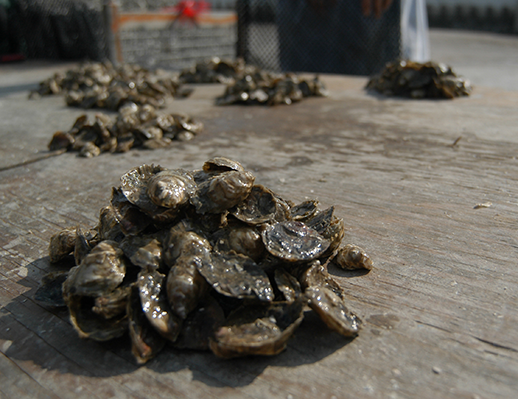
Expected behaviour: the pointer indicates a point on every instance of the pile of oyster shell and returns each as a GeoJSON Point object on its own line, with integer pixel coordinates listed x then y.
{"type": "Point", "coordinates": [271, 89]}
{"type": "Point", "coordinates": [101, 85]}
{"type": "Point", "coordinates": [418, 80]}
{"type": "Point", "coordinates": [216, 70]}
{"type": "Point", "coordinates": [134, 126]}
{"type": "Point", "coordinates": [203, 259]}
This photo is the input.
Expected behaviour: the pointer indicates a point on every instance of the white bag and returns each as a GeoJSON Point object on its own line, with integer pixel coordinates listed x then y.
{"type": "Point", "coordinates": [415, 43]}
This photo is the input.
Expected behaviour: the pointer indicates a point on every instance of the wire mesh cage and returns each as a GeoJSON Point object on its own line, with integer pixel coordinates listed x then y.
{"type": "Point", "coordinates": [57, 29]}
{"type": "Point", "coordinates": [328, 36]}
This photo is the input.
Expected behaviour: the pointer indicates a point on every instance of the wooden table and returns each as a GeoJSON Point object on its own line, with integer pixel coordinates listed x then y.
{"type": "Point", "coordinates": [440, 307]}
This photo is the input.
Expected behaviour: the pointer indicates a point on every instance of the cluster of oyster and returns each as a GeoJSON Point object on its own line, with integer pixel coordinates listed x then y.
{"type": "Point", "coordinates": [134, 126]}
{"type": "Point", "coordinates": [101, 85]}
{"type": "Point", "coordinates": [203, 259]}
{"type": "Point", "coordinates": [417, 80]}
{"type": "Point", "coordinates": [271, 89]}
{"type": "Point", "coordinates": [216, 70]}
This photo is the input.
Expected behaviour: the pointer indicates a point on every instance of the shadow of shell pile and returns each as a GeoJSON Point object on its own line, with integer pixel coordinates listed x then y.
{"type": "Point", "coordinates": [134, 126]}
{"type": "Point", "coordinates": [249, 85]}
{"type": "Point", "coordinates": [416, 80]}
{"type": "Point", "coordinates": [101, 85]}
{"type": "Point", "coordinates": [204, 260]}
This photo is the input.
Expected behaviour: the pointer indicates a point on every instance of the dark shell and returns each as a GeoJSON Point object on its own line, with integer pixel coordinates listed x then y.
{"type": "Point", "coordinates": [171, 189]}
{"type": "Point", "coordinates": [327, 299]}
{"type": "Point", "coordinates": [101, 271]}
{"type": "Point", "coordinates": [332, 310]}
{"type": "Point", "coordinates": [287, 284]}
{"type": "Point", "coordinates": [184, 242]}
{"type": "Point", "coordinates": [352, 257]}
{"type": "Point", "coordinates": [62, 244]}
{"type": "Point", "coordinates": [185, 285]}
{"type": "Point", "coordinates": [143, 251]}
{"type": "Point", "coordinates": [109, 227]}
{"type": "Point", "coordinates": [294, 241]}
{"type": "Point", "coordinates": [85, 241]}
{"type": "Point", "coordinates": [134, 185]}
{"type": "Point", "coordinates": [259, 207]}
{"type": "Point", "coordinates": [155, 305]}
{"type": "Point", "coordinates": [304, 210]}
{"type": "Point", "coordinates": [131, 219]}
{"type": "Point", "coordinates": [257, 330]}
{"type": "Point", "coordinates": [146, 342]}
{"type": "Point", "coordinates": [240, 238]}
{"type": "Point", "coordinates": [112, 304]}
{"type": "Point", "coordinates": [90, 325]}
{"type": "Point", "coordinates": [222, 164]}
{"type": "Point", "coordinates": [220, 192]}
{"type": "Point", "coordinates": [237, 276]}
{"type": "Point", "coordinates": [201, 324]}
{"type": "Point", "coordinates": [50, 291]}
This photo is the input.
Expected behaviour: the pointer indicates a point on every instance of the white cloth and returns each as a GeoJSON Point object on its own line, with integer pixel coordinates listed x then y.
{"type": "Point", "coordinates": [415, 43]}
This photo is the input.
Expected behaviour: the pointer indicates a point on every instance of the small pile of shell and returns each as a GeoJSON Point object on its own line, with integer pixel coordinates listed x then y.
{"type": "Point", "coordinates": [134, 126]}
{"type": "Point", "coordinates": [417, 80]}
{"type": "Point", "coordinates": [215, 70]}
{"type": "Point", "coordinates": [271, 89]}
{"type": "Point", "coordinates": [204, 260]}
{"type": "Point", "coordinates": [101, 85]}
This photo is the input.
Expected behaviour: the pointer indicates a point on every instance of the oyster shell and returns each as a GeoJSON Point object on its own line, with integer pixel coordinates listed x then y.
{"type": "Point", "coordinates": [225, 264]}
{"type": "Point", "coordinates": [351, 257]}
{"type": "Point", "coordinates": [405, 78]}
{"type": "Point", "coordinates": [257, 330]}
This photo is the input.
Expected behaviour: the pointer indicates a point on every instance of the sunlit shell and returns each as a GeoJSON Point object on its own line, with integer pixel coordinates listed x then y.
{"type": "Point", "coordinates": [351, 257]}
{"type": "Point", "coordinates": [294, 241]}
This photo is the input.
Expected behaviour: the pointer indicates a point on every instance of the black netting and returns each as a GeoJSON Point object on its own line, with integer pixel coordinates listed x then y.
{"type": "Point", "coordinates": [329, 36]}
{"type": "Point", "coordinates": [59, 29]}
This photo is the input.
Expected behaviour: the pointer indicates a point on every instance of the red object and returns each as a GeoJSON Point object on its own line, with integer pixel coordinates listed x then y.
{"type": "Point", "coordinates": [189, 8]}
{"type": "Point", "coordinates": [12, 57]}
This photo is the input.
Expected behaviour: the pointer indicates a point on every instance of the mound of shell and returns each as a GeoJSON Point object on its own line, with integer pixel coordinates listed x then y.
{"type": "Point", "coordinates": [216, 70]}
{"type": "Point", "coordinates": [417, 80]}
{"type": "Point", "coordinates": [134, 126]}
{"type": "Point", "coordinates": [263, 88]}
{"type": "Point", "coordinates": [101, 85]}
{"type": "Point", "coordinates": [205, 260]}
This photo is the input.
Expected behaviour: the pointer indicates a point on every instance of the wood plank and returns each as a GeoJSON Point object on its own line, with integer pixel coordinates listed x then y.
{"type": "Point", "coordinates": [439, 307]}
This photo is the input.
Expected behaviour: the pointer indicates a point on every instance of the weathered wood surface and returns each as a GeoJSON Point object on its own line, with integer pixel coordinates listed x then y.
{"type": "Point", "coordinates": [439, 309]}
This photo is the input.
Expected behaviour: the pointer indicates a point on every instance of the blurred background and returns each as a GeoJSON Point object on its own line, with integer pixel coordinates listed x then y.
{"type": "Point", "coordinates": [177, 33]}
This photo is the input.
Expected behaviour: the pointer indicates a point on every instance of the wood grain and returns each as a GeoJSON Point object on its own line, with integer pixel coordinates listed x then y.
{"type": "Point", "coordinates": [439, 308]}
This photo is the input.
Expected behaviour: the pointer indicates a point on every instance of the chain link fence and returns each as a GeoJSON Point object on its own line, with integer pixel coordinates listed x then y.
{"type": "Point", "coordinates": [328, 36]}
{"type": "Point", "coordinates": [55, 29]}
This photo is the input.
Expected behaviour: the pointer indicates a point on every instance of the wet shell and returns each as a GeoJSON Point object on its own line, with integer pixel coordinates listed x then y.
{"type": "Point", "coordinates": [146, 342]}
{"type": "Point", "coordinates": [332, 310]}
{"type": "Point", "coordinates": [155, 305]}
{"type": "Point", "coordinates": [304, 210]}
{"type": "Point", "coordinates": [257, 330]}
{"type": "Point", "coordinates": [287, 284]}
{"type": "Point", "coordinates": [112, 304]}
{"type": "Point", "coordinates": [222, 164]}
{"type": "Point", "coordinates": [183, 242]}
{"type": "Point", "coordinates": [294, 241]}
{"type": "Point", "coordinates": [245, 240]}
{"type": "Point", "coordinates": [185, 285]}
{"type": "Point", "coordinates": [171, 189]}
{"type": "Point", "coordinates": [90, 325]}
{"type": "Point", "coordinates": [236, 276]}
{"type": "Point", "coordinates": [143, 251]}
{"type": "Point", "coordinates": [259, 207]}
{"type": "Point", "coordinates": [220, 192]}
{"type": "Point", "coordinates": [109, 227]}
{"type": "Point", "coordinates": [352, 257]}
